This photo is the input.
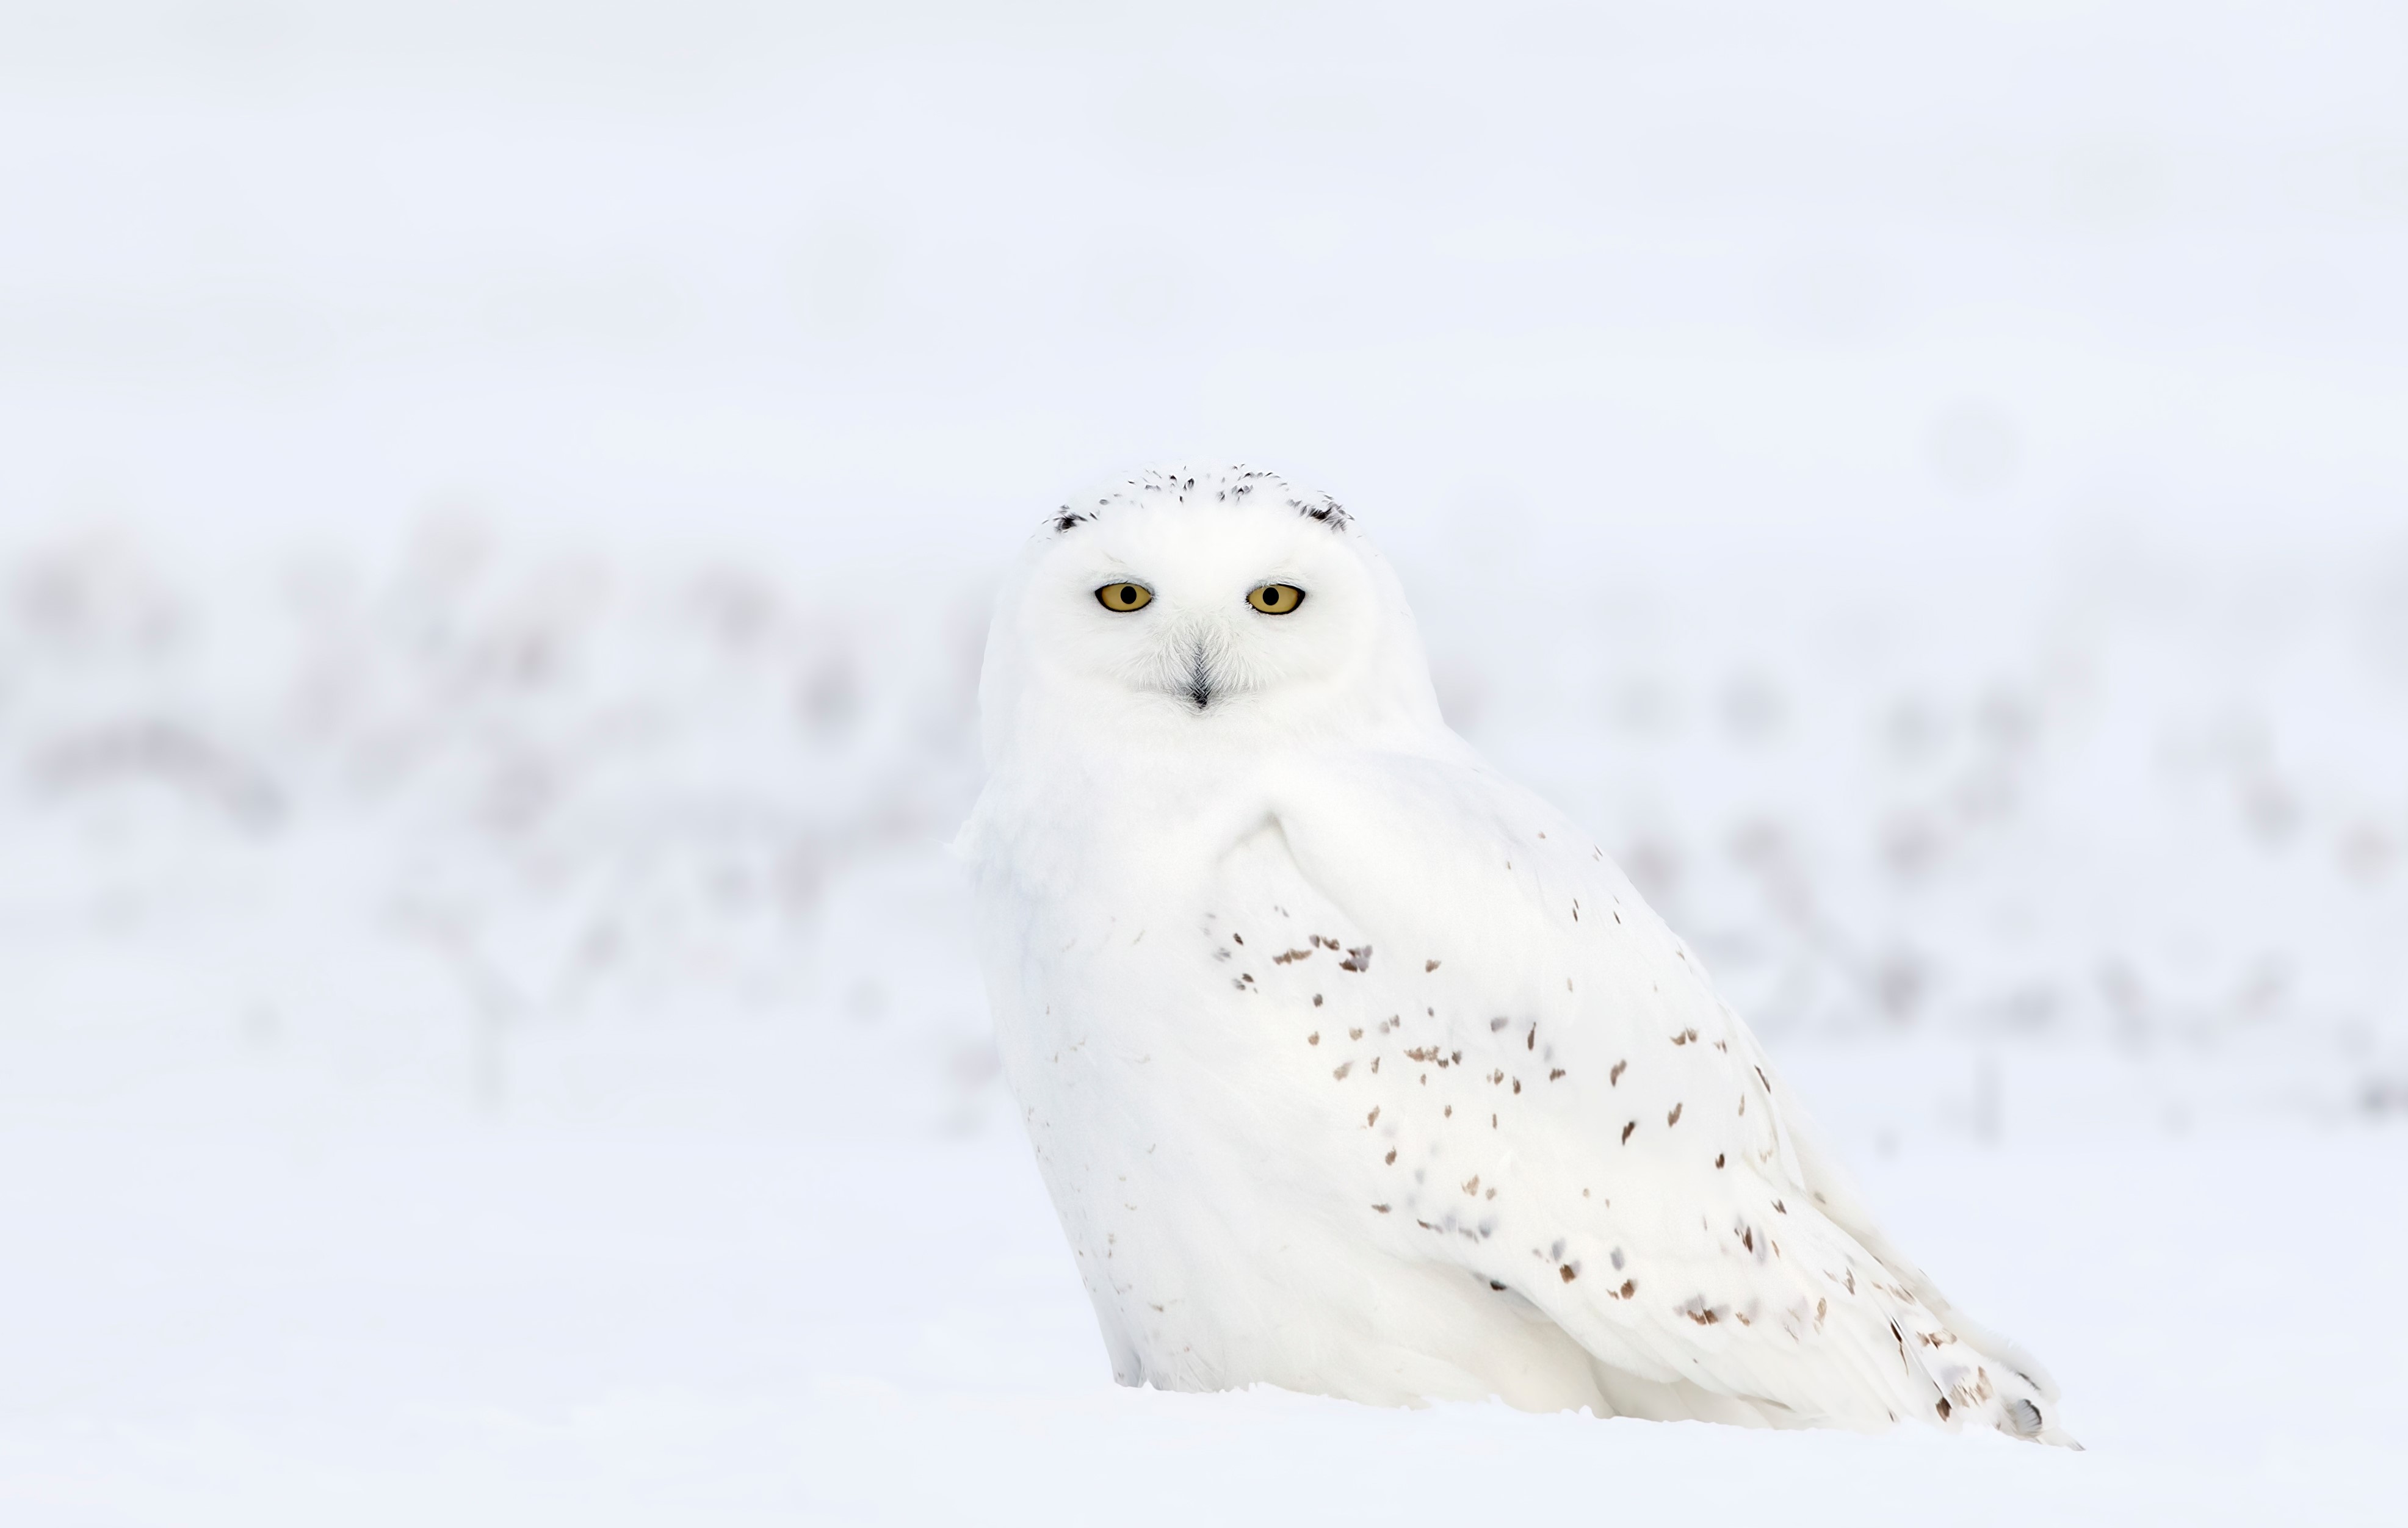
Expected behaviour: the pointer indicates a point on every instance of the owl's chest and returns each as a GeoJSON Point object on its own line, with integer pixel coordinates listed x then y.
{"type": "Point", "coordinates": [1196, 1008]}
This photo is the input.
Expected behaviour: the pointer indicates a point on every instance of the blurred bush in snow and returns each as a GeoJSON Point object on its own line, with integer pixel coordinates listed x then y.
{"type": "Point", "coordinates": [551, 785]}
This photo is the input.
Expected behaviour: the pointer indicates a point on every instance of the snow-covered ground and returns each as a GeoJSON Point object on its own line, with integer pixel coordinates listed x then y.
{"type": "Point", "coordinates": [496, 509]}
{"type": "Point", "coordinates": [651, 1297]}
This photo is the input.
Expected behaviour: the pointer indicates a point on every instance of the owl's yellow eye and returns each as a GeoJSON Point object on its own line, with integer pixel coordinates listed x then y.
{"type": "Point", "coordinates": [1125, 596]}
{"type": "Point", "coordinates": [1276, 599]}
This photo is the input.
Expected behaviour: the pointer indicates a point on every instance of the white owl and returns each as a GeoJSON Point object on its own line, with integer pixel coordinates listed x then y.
{"type": "Point", "coordinates": [1355, 1068]}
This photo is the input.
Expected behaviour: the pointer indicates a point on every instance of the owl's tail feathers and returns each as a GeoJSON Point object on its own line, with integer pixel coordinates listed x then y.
{"type": "Point", "coordinates": [1985, 1381]}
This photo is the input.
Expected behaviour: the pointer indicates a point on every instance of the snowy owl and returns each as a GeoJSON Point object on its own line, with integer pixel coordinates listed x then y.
{"type": "Point", "coordinates": [1355, 1068]}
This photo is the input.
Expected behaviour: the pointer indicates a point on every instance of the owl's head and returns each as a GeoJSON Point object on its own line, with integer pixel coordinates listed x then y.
{"type": "Point", "coordinates": [1190, 607]}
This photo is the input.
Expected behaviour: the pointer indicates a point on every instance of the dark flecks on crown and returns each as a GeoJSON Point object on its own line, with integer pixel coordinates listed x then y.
{"type": "Point", "coordinates": [1234, 485]}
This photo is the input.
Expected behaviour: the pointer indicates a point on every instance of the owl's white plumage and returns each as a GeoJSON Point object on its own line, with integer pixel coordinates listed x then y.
{"type": "Point", "coordinates": [1355, 1068]}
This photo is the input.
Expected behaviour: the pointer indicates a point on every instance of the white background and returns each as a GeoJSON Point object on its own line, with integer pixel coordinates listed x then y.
{"type": "Point", "coordinates": [497, 504]}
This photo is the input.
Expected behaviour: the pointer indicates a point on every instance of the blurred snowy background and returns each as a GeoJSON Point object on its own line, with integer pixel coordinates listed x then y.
{"type": "Point", "coordinates": [497, 506]}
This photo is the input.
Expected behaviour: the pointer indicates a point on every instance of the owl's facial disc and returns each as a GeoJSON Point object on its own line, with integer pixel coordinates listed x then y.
{"type": "Point", "coordinates": [1200, 620]}
{"type": "Point", "coordinates": [1207, 605]}
{"type": "Point", "coordinates": [1201, 654]}
{"type": "Point", "coordinates": [1202, 661]}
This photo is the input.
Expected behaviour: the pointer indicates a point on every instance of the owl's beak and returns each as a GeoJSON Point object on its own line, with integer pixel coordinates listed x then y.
{"type": "Point", "coordinates": [1199, 677]}
{"type": "Point", "coordinates": [1191, 660]}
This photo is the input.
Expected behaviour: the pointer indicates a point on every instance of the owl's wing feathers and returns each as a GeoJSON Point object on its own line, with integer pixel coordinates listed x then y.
{"type": "Point", "coordinates": [1568, 1110]}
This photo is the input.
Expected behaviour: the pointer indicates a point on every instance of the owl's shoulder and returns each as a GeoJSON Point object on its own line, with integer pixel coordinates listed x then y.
{"type": "Point", "coordinates": [1439, 845]}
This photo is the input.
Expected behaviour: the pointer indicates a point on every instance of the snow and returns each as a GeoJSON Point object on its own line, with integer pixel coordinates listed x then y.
{"type": "Point", "coordinates": [496, 508]}
{"type": "Point", "coordinates": [646, 1296]}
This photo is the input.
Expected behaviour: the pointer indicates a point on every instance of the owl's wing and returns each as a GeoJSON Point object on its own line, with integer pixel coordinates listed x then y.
{"type": "Point", "coordinates": [1544, 1091]}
